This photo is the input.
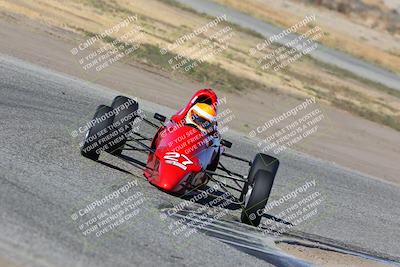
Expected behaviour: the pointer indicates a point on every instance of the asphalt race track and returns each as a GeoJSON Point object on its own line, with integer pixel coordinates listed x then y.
{"type": "Point", "coordinates": [45, 180]}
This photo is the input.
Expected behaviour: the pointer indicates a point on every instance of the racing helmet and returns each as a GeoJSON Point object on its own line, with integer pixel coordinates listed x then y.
{"type": "Point", "coordinates": [203, 116]}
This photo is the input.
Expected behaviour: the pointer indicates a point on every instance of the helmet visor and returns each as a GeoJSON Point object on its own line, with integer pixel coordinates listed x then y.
{"type": "Point", "coordinates": [202, 122]}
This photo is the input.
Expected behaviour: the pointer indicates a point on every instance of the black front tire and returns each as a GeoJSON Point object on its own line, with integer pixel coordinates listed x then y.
{"type": "Point", "coordinates": [125, 110]}
{"type": "Point", "coordinates": [261, 162]}
{"type": "Point", "coordinates": [91, 147]}
{"type": "Point", "coordinates": [259, 194]}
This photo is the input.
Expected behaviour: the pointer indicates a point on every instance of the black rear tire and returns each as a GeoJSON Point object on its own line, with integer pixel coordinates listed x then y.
{"type": "Point", "coordinates": [261, 162]}
{"type": "Point", "coordinates": [125, 110]}
{"type": "Point", "coordinates": [260, 191]}
{"type": "Point", "coordinates": [91, 147]}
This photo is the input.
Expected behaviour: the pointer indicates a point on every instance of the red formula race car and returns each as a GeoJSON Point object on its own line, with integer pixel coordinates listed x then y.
{"type": "Point", "coordinates": [184, 153]}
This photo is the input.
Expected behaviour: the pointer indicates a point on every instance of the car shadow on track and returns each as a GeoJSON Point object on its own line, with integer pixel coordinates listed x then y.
{"type": "Point", "coordinates": [135, 162]}
{"type": "Point", "coordinates": [113, 167]}
{"type": "Point", "coordinates": [209, 200]}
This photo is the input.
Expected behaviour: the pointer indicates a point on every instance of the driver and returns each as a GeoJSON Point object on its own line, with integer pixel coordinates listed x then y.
{"type": "Point", "coordinates": [203, 116]}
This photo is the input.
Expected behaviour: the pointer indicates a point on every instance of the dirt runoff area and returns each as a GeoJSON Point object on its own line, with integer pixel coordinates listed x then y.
{"type": "Point", "coordinates": [341, 138]}
{"type": "Point", "coordinates": [325, 258]}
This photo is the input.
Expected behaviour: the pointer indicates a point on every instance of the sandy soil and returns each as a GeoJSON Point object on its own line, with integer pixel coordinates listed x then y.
{"type": "Point", "coordinates": [342, 33]}
{"type": "Point", "coordinates": [328, 258]}
{"type": "Point", "coordinates": [8, 263]}
{"type": "Point", "coordinates": [342, 138]}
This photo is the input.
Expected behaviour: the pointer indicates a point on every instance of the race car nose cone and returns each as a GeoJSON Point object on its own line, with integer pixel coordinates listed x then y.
{"type": "Point", "coordinates": [168, 186]}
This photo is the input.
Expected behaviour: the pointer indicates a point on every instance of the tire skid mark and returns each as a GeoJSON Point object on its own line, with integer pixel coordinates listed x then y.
{"type": "Point", "coordinates": [253, 242]}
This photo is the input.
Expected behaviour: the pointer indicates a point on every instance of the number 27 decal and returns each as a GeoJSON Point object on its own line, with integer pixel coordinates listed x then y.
{"type": "Point", "coordinates": [178, 160]}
